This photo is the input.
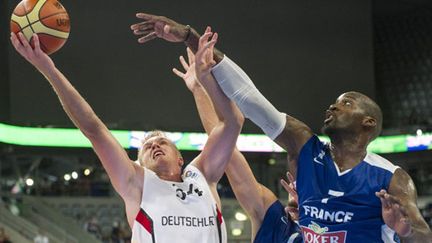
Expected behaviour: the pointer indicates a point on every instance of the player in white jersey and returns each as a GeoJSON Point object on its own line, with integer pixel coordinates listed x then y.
{"type": "Point", "coordinates": [351, 123]}
{"type": "Point", "coordinates": [161, 205]}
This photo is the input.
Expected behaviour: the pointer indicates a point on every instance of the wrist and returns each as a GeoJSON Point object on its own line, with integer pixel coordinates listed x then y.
{"type": "Point", "coordinates": [188, 33]}
{"type": "Point", "coordinates": [48, 71]}
{"type": "Point", "coordinates": [196, 87]}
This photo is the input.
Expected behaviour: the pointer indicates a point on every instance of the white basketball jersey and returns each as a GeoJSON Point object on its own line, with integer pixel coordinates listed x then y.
{"type": "Point", "coordinates": [178, 211]}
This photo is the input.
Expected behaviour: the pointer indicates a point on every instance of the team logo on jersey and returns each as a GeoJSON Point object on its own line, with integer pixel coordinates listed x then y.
{"type": "Point", "coordinates": [316, 234]}
{"type": "Point", "coordinates": [190, 174]}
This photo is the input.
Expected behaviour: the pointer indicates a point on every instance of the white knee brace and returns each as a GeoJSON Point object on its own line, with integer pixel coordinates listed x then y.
{"type": "Point", "coordinates": [236, 84]}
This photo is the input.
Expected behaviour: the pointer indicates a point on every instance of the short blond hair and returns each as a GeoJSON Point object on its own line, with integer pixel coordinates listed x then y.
{"type": "Point", "coordinates": [154, 133]}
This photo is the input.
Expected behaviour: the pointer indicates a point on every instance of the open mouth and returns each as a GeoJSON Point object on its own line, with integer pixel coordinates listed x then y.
{"type": "Point", "coordinates": [157, 153]}
{"type": "Point", "coordinates": [329, 117]}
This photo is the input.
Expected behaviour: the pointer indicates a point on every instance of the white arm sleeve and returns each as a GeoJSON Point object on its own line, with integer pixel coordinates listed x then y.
{"type": "Point", "coordinates": [236, 84]}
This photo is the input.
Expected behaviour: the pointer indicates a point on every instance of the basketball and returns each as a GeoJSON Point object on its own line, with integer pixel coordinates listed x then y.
{"type": "Point", "coordinates": [47, 18]}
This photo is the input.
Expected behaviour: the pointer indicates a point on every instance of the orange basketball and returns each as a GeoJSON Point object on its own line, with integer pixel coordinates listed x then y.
{"type": "Point", "coordinates": [47, 18]}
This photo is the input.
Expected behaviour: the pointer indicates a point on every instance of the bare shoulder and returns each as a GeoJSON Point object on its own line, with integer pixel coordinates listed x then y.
{"type": "Point", "coordinates": [402, 185]}
{"type": "Point", "coordinates": [295, 134]}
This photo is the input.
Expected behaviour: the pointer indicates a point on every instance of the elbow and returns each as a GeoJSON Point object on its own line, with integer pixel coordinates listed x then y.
{"type": "Point", "coordinates": [93, 131]}
{"type": "Point", "coordinates": [239, 118]}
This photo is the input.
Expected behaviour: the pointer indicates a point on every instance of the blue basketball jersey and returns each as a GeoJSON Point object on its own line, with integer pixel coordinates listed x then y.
{"type": "Point", "coordinates": [341, 206]}
{"type": "Point", "coordinates": [277, 228]}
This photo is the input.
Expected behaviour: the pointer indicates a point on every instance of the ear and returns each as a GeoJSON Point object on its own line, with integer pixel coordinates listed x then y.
{"type": "Point", "coordinates": [180, 161]}
{"type": "Point", "coordinates": [369, 122]}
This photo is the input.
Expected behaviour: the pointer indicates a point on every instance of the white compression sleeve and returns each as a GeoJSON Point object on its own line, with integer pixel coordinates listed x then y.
{"type": "Point", "coordinates": [236, 84]}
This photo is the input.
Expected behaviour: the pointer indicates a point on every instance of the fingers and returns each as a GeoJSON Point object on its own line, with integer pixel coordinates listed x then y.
{"type": "Point", "coordinates": [292, 210]}
{"type": "Point", "coordinates": [191, 56]}
{"type": "Point", "coordinates": [142, 26]}
{"type": "Point", "coordinates": [184, 63]}
{"type": "Point", "coordinates": [203, 40]}
{"type": "Point", "coordinates": [144, 16]}
{"type": "Point", "coordinates": [143, 30]}
{"type": "Point", "coordinates": [148, 37]}
{"type": "Point", "coordinates": [15, 42]}
{"type": "Point", "coordinates": [391, 199]}
{"type": "Point", "coordinates": [210, 45]}
{"type": "Point", "coordinates": [290, 178]}
{"type": "Point", "coordinates": [178, 73]}
{"type": "Point", "coordinates": [204, 55]}
{"type": "Point", "coordinates": [383, 200]}
{"type": "Point", "coordinates": [402, 211]}
{"type": "Point", "coordinates": [284, 185]}
{"type": "Point", "coordinates": [388, 201]}
{"type": "Point", "coordinates": [36, 43]}
{"type": "Point", "coordinates": [24, 41]}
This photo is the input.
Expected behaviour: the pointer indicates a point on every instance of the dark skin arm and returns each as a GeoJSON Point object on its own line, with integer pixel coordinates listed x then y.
{"type": "Point", "coordinates": [153, 26]}
{"type": "Point", "coordinates": [400, 211]}
{"type": "Point", "coordinates": [292, 139]}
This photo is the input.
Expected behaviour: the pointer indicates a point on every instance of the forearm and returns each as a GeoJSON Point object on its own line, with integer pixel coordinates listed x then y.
{"type": "Point", "coordinates": [192, 42]}
{"type": "Point", "coordinates": [226, 111]}
{"type": "Point", "coordinates": [419, 234]}
{"type": "Point", "coordinates": [252, 196]}
{"type": "Point", "coordinates": [78, 110]}
{"type": "Point", "coordinates": [205, 109]}
{"type": "Point", "coordinates": [236, 84]}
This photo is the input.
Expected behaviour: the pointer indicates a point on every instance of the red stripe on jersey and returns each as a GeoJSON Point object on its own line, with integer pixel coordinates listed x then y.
{"type": "Point", "coordinates": [145, 221]}
{"type": "Point", "coordinates": [219, 216]}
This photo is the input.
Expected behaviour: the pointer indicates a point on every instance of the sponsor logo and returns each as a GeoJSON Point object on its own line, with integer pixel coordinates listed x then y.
{"type": "Point", "coordinates": [315, 234]}
{"type": "Point", "coordinates": [190, 174]}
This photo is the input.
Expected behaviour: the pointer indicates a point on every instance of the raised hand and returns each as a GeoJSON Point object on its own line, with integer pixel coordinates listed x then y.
{"type": "Point", "coordinates": [159, 27]}
{"type": "Point", "coordinates": [35, 55]}
{"type": "Point", "coordinates": [394, 214]}
{"type": "Point", "coordinates": [204, 56]}
{"type": "Point", "coordinates": [189, 76]}
{"type": "Point", "coordinates": [292, 207]}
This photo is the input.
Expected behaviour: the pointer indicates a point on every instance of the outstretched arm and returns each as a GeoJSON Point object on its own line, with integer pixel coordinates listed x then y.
{"type": "Point", "coordinates": [290, 133]}
{"type": "Point", "coordinates": [222, 139]}
{"type": "Point", "coordinates": [254, 198]}
{"type": "Point", "coordinates": [154, 26]}
{"type": "Point", "coordinates": [119, 167]}
{"type": "Point", "coordinates": [400, 211]}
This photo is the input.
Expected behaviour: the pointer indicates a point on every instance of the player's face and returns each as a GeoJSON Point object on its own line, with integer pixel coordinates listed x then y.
{"type": "Point", "coordinates": [160, 151]}
{"type": "Point", "coordinates": [345, 115]}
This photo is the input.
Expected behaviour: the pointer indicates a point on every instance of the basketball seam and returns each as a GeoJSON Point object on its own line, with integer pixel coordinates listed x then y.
{"type": "Point", "coordinates": [28, 20]}
{"type": "Point", "coordinates": [40, 9]}
{"type": "Point", "coordinates": [20, 29]}
{"type": "Point", "coordinates": [53, 36]}
{"type": "Point", "coordinates": [43, 47]}
{"type": "Point", "coordinates": [39, 20]}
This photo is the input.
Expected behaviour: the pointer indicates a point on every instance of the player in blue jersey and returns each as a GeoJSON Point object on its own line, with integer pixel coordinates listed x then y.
{"type": "Point", "coordinates": [268, 218]}
{"type": "Point", "coordinates": [341, 186]}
